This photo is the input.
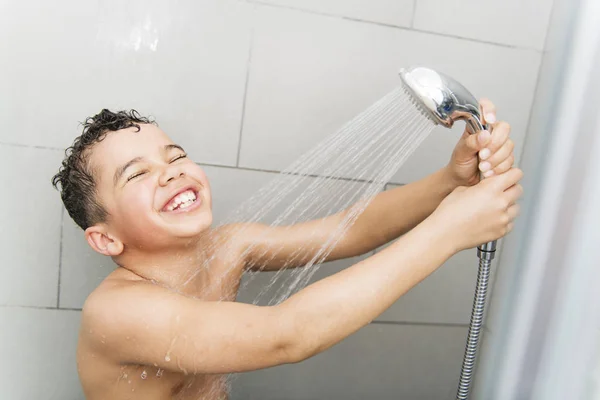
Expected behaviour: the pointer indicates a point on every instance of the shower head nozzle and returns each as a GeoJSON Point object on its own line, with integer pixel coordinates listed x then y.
{"type": "Point", "coordinates": [441, 98]}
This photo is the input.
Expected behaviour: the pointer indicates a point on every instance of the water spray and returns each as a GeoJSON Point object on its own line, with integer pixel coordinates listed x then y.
{"type": "Point", "coordinates": [444, 101]}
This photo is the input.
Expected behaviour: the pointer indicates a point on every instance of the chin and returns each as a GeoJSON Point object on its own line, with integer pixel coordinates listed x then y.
{"type": "Point", "coordinates": [194, 226]}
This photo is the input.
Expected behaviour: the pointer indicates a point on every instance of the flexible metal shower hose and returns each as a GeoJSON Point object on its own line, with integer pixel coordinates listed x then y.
{"type": "Point", "coordinates": [476, 324]}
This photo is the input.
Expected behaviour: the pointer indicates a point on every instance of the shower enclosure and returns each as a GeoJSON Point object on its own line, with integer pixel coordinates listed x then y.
{"type": "Point", "coordinates": [543, 339]}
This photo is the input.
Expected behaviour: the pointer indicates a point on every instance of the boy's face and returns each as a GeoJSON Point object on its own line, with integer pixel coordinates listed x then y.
{"type": "Point", "coordinates": [153, 193]}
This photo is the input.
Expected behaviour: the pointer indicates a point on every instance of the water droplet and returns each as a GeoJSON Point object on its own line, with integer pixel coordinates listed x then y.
{"type": "Point", "coordinates": [159, 373]}
{"type": "Point", "coordinates": [144, 375]}
{"type": "Point", "coordinates": [167, 358]}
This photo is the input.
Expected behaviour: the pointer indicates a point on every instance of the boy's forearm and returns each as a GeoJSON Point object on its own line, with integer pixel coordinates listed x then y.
{"type": "Point", "coordinates": [335, 307]}
{"type": "Point", "coordinates": [394, 212]}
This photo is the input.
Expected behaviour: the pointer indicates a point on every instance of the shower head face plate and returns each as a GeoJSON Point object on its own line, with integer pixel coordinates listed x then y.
{"type": "Point", "coordinates": [441, 98]}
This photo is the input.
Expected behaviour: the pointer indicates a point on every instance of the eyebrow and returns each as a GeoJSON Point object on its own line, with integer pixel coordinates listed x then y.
{"type": "Point", "coordinates": [173, 146]}
{"type": "Point", "coordinates": [121, 170]}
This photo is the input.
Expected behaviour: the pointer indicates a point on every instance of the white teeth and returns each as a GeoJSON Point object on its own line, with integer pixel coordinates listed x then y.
{"type": "Point", "coordinates": [186, 204]}
{"type": "Point", "coordinates": [182, 200]}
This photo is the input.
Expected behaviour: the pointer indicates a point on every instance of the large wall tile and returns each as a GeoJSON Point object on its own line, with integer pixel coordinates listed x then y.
{"type": "Point", "coordinates": [393, 12]}
{"type": "Point", "coordinates": [378, 362]}
{"type": "Point", "coordinates": [38, 353]}
{"type": "Point", "coordinates": [183, 63]}
{"type": "Point", "coordinates": [511, 22]}
{"type": "Point", "coordinates": [306, 83]}
{"type": "Point", "coordinates": [231, 187]}
{"type": "Point", "coordinates": [30, 221]}
{"type": "Point", "coordinates": [446, 296]}
{"type": "Point", "coordinates": [82, 269]}
{"type": "Point", "coordinates": [266, 288]}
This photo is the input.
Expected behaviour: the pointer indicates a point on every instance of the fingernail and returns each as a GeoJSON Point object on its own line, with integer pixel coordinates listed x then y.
{"type": "Point", "coordinates": [488, 174]}
{"type": "Point", "coordinates": [484, 154]}
{"type": "Point", "coordinates": [484, 166]}
{"type": "Point", "coordinates": [490, 117]}
{"type": "Point", "coordinates": [484, 136]}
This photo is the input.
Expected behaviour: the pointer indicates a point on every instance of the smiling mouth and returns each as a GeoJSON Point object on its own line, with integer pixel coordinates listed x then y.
{"type": "Point", "coordinates": [182, 201]}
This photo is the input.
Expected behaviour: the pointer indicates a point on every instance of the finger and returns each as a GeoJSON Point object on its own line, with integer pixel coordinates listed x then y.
{"type": "Point", "coordinates": [501, 168]}
{"type": "Point", "coordinates": [507, 179]}
{"type": "Point", "coordinates": [499, 159]}
{"type": "Point", "coordinates": [513, 194]}
{"type": "Point", "coordinates": [500, 136]}
{"type": "Point", "coordinates": [488, 111]}
{"type": "Point", "coordinates": [513, 212]}
{"type": "Point", "coordinates": [510, 227]}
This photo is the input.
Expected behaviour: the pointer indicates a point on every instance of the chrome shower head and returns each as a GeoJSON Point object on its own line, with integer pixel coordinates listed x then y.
{"type": "Point", "coordinates": [441, 98]}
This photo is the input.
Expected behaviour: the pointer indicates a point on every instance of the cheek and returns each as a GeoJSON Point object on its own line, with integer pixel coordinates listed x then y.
{"type": "Point", "coordinates": [136, 205]}
{"type": "Point", "coordinates": [198, 173]}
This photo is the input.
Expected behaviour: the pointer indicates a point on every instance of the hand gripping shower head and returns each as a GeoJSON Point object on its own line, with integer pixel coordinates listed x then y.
{"type": "Point", "coordinates": [444, 101]}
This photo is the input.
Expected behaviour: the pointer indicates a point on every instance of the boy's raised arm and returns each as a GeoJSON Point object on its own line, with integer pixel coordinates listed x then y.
{"type": "Point", "coordinates": [390, 214]}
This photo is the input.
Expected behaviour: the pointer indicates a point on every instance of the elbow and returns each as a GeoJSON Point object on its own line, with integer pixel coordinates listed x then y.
{"type": "Point", "coordinates": [294, 345]}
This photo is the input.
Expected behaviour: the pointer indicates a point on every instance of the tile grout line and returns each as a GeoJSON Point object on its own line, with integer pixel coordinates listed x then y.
{"type": "Point", "coordinates": [303, 10]}
{"type": "Point", "coordinates": [441, 324]}
{"type": "Point", "coordinates": [529, 119]}
{"type": "Point", "coordinates": [248, 65]}
{"type": "Point", "coordinates": [60, 251]}
{"type": "Point", "coordinates": [41, 307]}
{"type": "Point", "coordinates": [272, 171]}
{"type": "Point", "coordinates": [414, 14]}
{"type": "Point", "coordinates": [30, 146]}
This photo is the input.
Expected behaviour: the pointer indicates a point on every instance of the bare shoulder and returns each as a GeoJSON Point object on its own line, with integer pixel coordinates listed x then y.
{"type": "Point", "coordinates": [113, 300]}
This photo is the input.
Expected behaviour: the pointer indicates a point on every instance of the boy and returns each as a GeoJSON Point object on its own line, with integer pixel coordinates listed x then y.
{"type": "Point", "coordinates": [162, 327]}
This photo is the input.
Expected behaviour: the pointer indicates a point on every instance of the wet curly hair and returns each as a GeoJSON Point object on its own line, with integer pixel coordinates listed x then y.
{"type": "Point", "coordinates": [76, 177]}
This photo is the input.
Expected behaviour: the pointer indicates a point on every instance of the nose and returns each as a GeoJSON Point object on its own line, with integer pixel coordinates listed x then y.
{"type": "Point", "coordinates": [170, 173]}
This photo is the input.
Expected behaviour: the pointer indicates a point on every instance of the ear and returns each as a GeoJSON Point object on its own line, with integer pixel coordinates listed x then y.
{"type": "Point", "coordinates": [102, 241]}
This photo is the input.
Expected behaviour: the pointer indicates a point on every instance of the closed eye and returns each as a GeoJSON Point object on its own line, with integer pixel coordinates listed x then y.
{"type": "Point", "coordinates": [179, 157]}
{"type": "Point", "coordinates": [136, 175]}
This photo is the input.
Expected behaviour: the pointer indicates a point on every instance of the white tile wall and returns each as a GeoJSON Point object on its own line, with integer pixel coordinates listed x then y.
{"type": "Point", "coordinates": [520, 23]}
{"type": "Point", "coordinates": [393, 12]}
{"type": "Point", "coordinates": [184, 63]}
{"type": "Point", "coordinates": [304, 84]}
{"type": "Point", "coordinates": [378, 362]}
{"type": "Point", "coordinates": [30, 220]}
{"type": "Point", "coordinates": [38, 354]}
{"type": "Point", "coordinates": [446, 296]}
{"type": "Point", "coordinates": [261, 288]}
{"type": "Point", "coordinates": [82, 269]}
{"type": "Point", "coordinates": [230, 187]}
